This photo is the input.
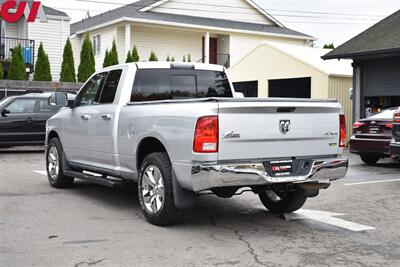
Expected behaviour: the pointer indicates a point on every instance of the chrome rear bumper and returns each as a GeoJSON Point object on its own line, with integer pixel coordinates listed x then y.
{"type": "Point", "coordinates": [207, 176]}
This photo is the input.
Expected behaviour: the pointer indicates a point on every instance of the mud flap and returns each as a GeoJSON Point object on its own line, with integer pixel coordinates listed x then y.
{"type": "Point", "coordinates": [184, 199]}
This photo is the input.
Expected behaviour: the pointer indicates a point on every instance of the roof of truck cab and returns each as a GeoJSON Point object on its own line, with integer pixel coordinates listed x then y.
{"type": "Point", "coordinates": [171, 65]}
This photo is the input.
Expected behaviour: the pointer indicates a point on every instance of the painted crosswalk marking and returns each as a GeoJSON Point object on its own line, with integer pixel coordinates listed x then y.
{"type": "Point", "coordinates": [327, 218]}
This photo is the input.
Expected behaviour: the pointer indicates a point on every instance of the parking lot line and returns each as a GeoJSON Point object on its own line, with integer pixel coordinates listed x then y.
{"type": "Point", "coordinates": [374, 182]}
{"type": "Point", "coordinates": [41, 172]}
{"type": "Point", "coordinates": [327, 218]}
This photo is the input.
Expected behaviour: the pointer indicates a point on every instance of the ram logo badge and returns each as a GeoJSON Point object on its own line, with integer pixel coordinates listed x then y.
{"type": "Point", "coordinates": [284, 126]}
{"type": "Point", "coordinates": [231, 135]}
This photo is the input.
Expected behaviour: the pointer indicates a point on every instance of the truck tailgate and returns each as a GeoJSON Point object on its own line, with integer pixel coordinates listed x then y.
{"type": "Point", "coordinates": [268, 129]}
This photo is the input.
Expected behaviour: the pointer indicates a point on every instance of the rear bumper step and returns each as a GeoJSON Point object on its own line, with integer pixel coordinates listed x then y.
{"type": "Point", "coordinates": [211, 176]}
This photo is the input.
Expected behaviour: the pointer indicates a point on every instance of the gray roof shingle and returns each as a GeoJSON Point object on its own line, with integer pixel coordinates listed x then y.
{"type": "Point", "coordinates": [382, 37]}
{"type": "Point", "coordinates": [132, 11]}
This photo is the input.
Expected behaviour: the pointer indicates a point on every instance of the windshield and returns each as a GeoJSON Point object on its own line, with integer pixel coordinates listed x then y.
{"type": "Point", "coordinates": [386, 114]}
{"type": "Point", "coordinates": [4, 101]}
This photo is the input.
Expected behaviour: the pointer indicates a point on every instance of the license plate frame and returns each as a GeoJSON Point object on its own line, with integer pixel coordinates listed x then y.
{"type": "Point", "coordinates": [281, 168]}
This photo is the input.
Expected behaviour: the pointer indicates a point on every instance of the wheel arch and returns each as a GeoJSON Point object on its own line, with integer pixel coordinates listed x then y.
{"type": "Point", "coordinates": [147, 146]}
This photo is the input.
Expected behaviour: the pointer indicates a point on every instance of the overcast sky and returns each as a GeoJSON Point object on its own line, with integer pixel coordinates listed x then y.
{"type": "Point", "coordinates": [331, 21]}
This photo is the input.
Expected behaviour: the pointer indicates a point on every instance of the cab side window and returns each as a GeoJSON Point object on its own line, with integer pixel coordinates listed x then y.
{"type": "Point", "coordinates": [110, 87]}
{"type": "Point", "coordinates": [21, 106]}
{"type": "Point", "coordinates": [90, 94]}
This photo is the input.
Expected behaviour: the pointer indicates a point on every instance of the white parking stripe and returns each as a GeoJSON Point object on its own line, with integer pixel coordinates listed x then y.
{"type": "Point", "coordinates": [327, 218]}
{"type": "Point", "coordinates": [41, 172]}
{"type": "Point", "coordinates": [375, 182]}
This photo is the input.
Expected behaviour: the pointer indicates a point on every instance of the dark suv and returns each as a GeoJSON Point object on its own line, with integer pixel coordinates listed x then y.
{"type": "Point", "coordinates": [395, 145]}
{"type": "Point", "coordinates": [23, 119]}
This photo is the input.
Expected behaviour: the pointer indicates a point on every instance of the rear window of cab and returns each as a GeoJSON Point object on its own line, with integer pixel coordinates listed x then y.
{"type": "Point", "coordinates": [165, 84]}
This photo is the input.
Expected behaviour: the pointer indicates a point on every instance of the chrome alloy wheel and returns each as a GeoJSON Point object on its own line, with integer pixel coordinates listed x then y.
{"type": "Point", "coordinates": [152, 189]}
{"type": "Point", "coordinates": [53, 162]}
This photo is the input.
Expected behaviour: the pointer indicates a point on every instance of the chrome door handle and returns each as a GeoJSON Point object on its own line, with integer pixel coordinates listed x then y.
{"type": "Point", "coordinates": [85, 117]}
{"type": "Point", "coordinates": [106, 117]}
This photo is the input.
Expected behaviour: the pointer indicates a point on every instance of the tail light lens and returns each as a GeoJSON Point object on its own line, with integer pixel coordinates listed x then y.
{"type": "Point", "coordinates": [358, 125]}
{"type": "Point", "coordinates": [389, 125]}
{"type": "Point", "coordinates": [396, 118]}
{"type": "Point", "coordinates": [342, 141]}
{"type": "Point", "coordinates": [206, 135]}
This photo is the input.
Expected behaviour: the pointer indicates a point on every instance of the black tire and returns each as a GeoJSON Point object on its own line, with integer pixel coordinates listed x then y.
{"type": "Point", "coordinates": [370, 159]}
{"type": "Point", "coordinates": [288, 201]}
{"type": "Point", "coordinates": [56, 179]}
{"type": "Point", "coordinates": [167, 213]}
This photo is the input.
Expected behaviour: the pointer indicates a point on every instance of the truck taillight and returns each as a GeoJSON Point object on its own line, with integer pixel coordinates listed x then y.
{"type": "Point", "coordinates": [206, 135]}
{"type": "Point", "coordinates": [342, 141]}
{"type": "Point", "coordinates": [396, 118]}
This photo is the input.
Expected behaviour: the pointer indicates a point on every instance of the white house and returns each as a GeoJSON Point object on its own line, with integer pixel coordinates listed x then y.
{"type": "Point", "coordinates": [211, 31]}
{"type": "Point", "coordinates": [52, 28]}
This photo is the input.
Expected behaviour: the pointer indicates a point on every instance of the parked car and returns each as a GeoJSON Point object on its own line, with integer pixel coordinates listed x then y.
{"type": "Point", "coordinates": [372, 136]}
{"type": "Point", "coordinates": [395, 145]}
{"type": "Point", "coordinates": [23, 119]}
{"type": "Point", "coordinates": [180, 130]}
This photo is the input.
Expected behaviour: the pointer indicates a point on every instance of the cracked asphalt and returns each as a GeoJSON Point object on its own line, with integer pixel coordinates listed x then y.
{"type": "Point", "coordinates": [89, 225]}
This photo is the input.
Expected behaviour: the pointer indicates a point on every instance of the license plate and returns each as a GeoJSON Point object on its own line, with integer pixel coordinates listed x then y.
{"type": "Point", "coordinates": [281, 168]}
{"type": "Point", "coordinates": [374, 130]}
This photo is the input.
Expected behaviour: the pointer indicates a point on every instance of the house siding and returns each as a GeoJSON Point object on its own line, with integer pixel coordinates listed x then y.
{"type": "Point", "coordinates": [339, 89]}
{"type": "Point", "coordinates": [53, 34]}
{"type": "Point", "coordinates": [242, 44]}
{"type": "Point", "coordinates": [237, 10]}
{"type": "Point", "coordinates": [164, 42]}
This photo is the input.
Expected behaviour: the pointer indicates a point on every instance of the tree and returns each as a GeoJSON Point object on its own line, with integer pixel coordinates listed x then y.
{"type": "Point", "coordinates": [128, 57]}
{"type": "Point", "coordinates": [135, 55]}
{"type": "Point", "coordinates": [1, 71]}
{"type": "Point", "coordinates": [17, 70]}
{"type": "Point", "coordinates": [42, 66]}
{"type": "Point", "coordinates": [68, 65]}
{"type": "Point", "coordinates": [153, 56]}
{"type": "Point", "coordinates": [189, 58]}
{"type": "Point", "coordinates": [329, 46]}
{"type": "Point", "coordinates": [113, 55]}
{"type": "Point", "coordinates": [106, 59]}
{"type": "Point", "coordinates": [87, 63]}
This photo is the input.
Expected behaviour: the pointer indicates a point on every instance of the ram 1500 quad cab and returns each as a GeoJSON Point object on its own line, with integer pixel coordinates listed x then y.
{"type": "Point", "coordinates": [180, 130]}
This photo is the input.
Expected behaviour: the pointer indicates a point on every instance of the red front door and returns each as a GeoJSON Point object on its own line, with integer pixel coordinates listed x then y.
{"type": "Point", "coordinates": [213, 56]}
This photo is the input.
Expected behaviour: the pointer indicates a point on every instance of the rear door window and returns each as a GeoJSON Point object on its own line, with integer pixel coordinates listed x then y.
{"type": "Point", "coordinates": [44, 107]}
{"type": "Point", "coordinates": [21, 106]}
{"type": "Point", "coordinates": [110, 87]}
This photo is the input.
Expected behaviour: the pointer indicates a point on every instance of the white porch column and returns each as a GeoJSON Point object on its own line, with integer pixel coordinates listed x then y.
{"type": "Point", "coordinates": [207, 48]}
{"type": "Point", "coordinates": [127, 38]}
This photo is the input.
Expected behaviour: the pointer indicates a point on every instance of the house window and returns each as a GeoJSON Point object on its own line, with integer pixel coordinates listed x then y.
{"type": "Point", "coordinates": [96, 45]}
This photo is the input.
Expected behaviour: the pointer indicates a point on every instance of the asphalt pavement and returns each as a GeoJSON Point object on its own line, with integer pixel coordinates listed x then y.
{"type": "Point", "coordinates": [355, 222]}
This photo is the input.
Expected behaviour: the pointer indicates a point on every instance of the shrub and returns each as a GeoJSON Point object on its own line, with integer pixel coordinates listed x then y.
{"type": "Point", "coordinates": [184, 59]}
{"type": "Point", "coordinates": [128, 57]}
{"type": "Point", "coordinates": [168, 58]}
{"type": "Point", "coordinates": [1, 71]}
{"type": "Point", "coordinates": [189, 58]}
{"type": "Point", "coordinates": [113, 55]}
{"type": "Point", "coordinates": [42, 66]}
{"type": "Point", "coordinates": [68, 66]}
{"type": "Point", "coordinates": [87, 63]}
{"type": "Point", "coordinates": [135, 55]}
{"type": "Point", "coordinates": [17, 70]}
{"type": "Point", "coordinates": [106, 59]}
{"type": "Point", "coordinates": [153, 56]}
{"type": "Point", "coordinates": [173, 59]}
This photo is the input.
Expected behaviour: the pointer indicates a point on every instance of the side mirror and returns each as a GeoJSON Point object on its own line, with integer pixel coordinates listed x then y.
{"type": "Point", "coordinates": [239, 95]}
{"type": "Point", "coordinates": [58, 99]}
{"type": "Point", "coordinates": [4, 112]}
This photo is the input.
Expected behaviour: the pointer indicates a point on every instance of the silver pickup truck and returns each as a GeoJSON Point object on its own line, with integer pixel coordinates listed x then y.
{"type": "Point", "coordinates": [180, 131]}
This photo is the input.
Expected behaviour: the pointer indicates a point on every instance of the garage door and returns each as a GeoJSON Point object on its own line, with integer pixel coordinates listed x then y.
{"type": "Point", "coordinates": [249, 88]}
{"type": "Point", "coordinates": [293, 88]}
{"type": "Point", "coordinates": [382, 77]}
